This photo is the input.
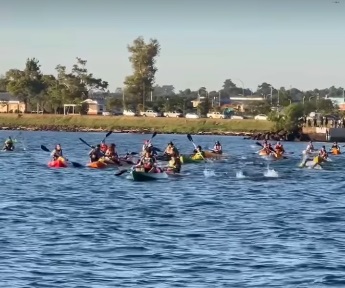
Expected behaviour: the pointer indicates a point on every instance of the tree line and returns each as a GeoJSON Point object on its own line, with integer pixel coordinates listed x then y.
{"type": "Point", "coordinates": [140, 92]}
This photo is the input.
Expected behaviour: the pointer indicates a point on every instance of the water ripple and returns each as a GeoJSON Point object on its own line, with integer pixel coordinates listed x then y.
{"type": "Point", "coordinates": [222, 224]}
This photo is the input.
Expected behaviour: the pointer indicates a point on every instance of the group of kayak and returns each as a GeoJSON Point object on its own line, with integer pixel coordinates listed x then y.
{"type": "Point", "coordinates": [268, 150]}
{"type": "Point", "coordinates": [311, 160]}
{"type": "Point", "coordinates": [103, 156]}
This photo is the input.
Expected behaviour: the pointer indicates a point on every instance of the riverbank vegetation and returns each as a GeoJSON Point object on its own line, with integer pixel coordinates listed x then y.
{"type": "Point", "coordinates": [75, 84]}
{"type": "Point", "coordinates": [139, 124]}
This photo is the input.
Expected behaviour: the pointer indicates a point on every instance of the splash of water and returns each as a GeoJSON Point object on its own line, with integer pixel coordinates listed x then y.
{"type": "Point", "coordinates": [240, 175]}
{"type": "Point", "coordinates": [271, 173]}
{"type": "Point", "coordinates": [209, 173]}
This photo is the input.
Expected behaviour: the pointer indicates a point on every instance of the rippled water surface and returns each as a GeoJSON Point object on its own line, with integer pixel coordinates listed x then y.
{"type": "Point", "coordinates": [230, 223]}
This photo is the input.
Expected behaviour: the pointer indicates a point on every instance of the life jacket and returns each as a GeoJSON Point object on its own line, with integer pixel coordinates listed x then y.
{"type": "Point", "coordinates": [147, 163]}
{"type": "Point", "coordinates": [323, 154]}
{"type": "Point", "coordinates": [217, 147]}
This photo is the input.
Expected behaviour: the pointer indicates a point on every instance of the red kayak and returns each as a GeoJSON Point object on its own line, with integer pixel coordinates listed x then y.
{"type": "Point", "coordinates": [58, 163]}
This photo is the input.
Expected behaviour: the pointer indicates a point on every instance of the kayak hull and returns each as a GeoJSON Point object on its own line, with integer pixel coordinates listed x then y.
{"type": "Point", "coordinates": [188, 160]}
{"type": "Point", "coordinates": [211, 154]}
{"type": "Point", "coordinates": [145, 176]}
{"type": "Point", "coordinates": [336, 152]}
{"type": "Point", "coordinates": [273, 156]}
{"type": "Point", "coordinates": [59, 163]}
{"type": "Point", "coordinates": [102, 165]}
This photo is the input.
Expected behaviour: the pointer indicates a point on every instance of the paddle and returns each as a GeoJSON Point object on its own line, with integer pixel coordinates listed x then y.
{"type": "Point", "coordinates": [190, 138]}
{"type": "Point", "coordinates": [121, 172]}
{"type": "Point", "coordinates": [75, 164]}
{"type": "Point", "coordinates": [107, 135]}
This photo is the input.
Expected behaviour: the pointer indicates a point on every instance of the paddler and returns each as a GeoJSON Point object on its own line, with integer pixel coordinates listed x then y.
{"type": "Point", "coordinates": [171, 149]}
{"type": "Point", "coordinates": [103, 147]}
{"type": "Point", "coordinates": [268, 148]}
{"type": "Point", "coordinates": [279, 148]}
{"type": "Point", "coordinates": [310, 147]}
{"type": "Point", "coordinates": [111, 155]}
{"type": "Point", "coordinates": [57, 152]}
{"type": "Point", "coordinates": [217, 148]}
{"type": "Point", "coordinates": [198, 151]}
{"type": "Point", "coordinates": [9, 144]}
{"type": "Point", "coordinates": [335, 146]}
{"type": "Point", "coordinates": [96, 153]}
{"type": "Point", "coordinates": [323, 153]}
{"type": "Point", "coordinates": [174, 164]}
{"type": "Point", "coordinates": [147, 162]}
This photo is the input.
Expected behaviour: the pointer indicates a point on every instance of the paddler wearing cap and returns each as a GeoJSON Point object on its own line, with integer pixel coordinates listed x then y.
{"type": "Point", "coordinates": [171, 150]}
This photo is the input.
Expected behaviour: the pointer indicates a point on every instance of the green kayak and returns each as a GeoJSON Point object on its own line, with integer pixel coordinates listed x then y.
{"type": "Point", "coordinates": [144, 176]}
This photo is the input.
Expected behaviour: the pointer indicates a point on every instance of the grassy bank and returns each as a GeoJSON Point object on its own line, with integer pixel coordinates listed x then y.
{"type": "Point", "coordinates": [163, 125]}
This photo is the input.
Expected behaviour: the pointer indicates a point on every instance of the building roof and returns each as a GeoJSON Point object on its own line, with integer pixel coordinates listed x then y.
{"type": "Point", "coordinates": [5, 97]}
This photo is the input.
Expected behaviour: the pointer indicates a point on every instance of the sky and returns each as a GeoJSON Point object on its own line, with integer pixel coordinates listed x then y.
{"type": "Point", "coordinates": [298, 43]}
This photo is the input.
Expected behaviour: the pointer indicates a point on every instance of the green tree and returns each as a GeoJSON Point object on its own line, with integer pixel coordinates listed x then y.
{"type": "Point", "coordinates": [289, 120]}
{"type": "Point", "coordinates": [204, 107]}
{"type": "Point", "coordinates": [26, 84]}
{"type": "Point", "coordinates": [3, 84]}
{"type": "Point", "coordinates": [143, 60]}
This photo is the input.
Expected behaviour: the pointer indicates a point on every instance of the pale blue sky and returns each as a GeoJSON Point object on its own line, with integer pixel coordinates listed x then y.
{"type": "Point", "coordinates": [292, 42]}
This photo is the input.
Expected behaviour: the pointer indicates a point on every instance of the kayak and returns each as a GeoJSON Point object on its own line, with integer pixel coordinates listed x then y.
{"type": "Point", "coordinates": [58, 163]}
{"type": "Point", "coordinates": [101, 164]}
{"type": "Point", "coordinates": [212, 154]}
{"type": "Point", "coordinates": [140, 175]}
{"type": "Point", "coordinates": [335, 151]}
{"type": "Point", "coordinates": [272, 155]}
{"type": "Point", "coordinates": [8, 149]}
{"type": "Point", "coordinates": [188, 159]}
{"type": "Point", "coordinates": [310, 163]}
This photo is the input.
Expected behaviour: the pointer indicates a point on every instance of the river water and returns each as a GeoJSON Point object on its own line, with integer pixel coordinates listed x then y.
{"type": "Point", "coordinates": [233, 223]}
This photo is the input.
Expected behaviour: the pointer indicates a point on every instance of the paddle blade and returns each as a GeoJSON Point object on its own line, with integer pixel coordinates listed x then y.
{"type": "Point", "coordinates": [76, 164]}
{"type": "Point", "coordinates": [44, 148]}
{"type": "Point", "coordinates": [121, 172]}
{"type": "Point", "coordinates": [190, 137]}
{"type": "Point", "coordinates": [133, 153]}
{"type": "Point", "coordinates": [259, 144]}
{"type": "Point", "coordinates": [108, 134]}
{"type": "Point", "coordinates": [154, 135]}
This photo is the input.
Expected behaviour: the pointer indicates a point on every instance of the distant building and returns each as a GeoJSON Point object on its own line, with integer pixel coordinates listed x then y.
{"type": "Point", "coordinates": [339, 101]}
{"type": "Point", "coordinates": [94, 107]}
{"type": "Point", "coordinates": [10, 104]}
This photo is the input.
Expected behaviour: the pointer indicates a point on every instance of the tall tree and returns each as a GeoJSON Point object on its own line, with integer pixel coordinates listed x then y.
{"type": "Point", "coordinates": [143, 59]}
{"type": "Point", "coordinates": [26, 84]}
{"type": "Point", "coordinates": [3, 84]}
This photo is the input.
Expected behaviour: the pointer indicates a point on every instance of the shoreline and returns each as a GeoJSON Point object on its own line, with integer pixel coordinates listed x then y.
{"type": "Point", "coordinates": [124, 131]}
{"type": "Point", "coordinates": [247, 128]}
